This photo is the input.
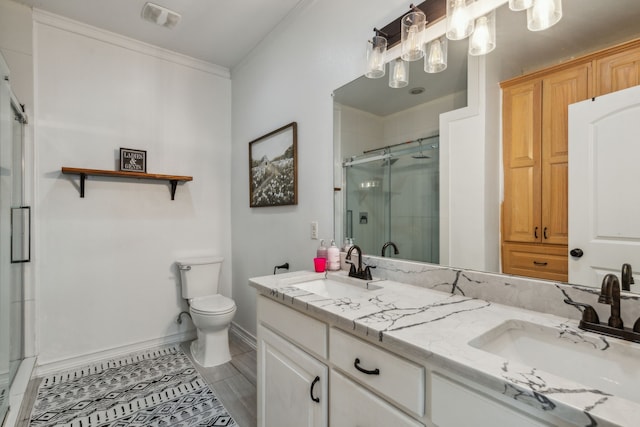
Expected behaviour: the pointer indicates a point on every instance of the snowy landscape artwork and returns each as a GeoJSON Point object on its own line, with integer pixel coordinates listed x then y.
{"type": "Point", "coordinates": [273, 168]}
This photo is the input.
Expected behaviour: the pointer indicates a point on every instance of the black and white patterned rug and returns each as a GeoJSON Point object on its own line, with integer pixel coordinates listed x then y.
{"type": "Point", "coordinates": [159, 387]}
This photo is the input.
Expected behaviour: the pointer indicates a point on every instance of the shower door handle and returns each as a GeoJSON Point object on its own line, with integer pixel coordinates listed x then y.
{"type": "Point", "coordinates": [20, 234]}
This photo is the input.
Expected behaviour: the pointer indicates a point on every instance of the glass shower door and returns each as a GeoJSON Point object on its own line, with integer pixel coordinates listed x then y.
{"type": "Point", "coordinates": [6, 160]}
{"type": "Point", "coordinates": [367, 205]}
{"type": "Point", "coordinates": [394, 195]}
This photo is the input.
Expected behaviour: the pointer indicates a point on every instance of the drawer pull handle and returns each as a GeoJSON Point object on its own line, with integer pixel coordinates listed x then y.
{"type": "Point", "coordinates": [356, 363]}
{"type": "Point", "coordinates": [313, 384]}
{"type": "Point", "coordinates": [540, 263]}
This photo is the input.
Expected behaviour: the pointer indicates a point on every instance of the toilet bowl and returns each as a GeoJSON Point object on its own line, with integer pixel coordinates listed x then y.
{"type": "Point", "coordinates": [211, 312]}
{"type": "Point", "coordinates": [211, 316]}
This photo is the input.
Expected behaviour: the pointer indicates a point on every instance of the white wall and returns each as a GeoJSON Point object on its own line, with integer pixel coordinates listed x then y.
{"type": "Point", "coordinates": [106, 278]}
{"type": "Point", "coordinates": [290, 77]}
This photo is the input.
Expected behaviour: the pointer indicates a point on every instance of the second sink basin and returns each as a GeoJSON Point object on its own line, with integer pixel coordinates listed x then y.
{"type": "Point", "coordinates": [602, 363]}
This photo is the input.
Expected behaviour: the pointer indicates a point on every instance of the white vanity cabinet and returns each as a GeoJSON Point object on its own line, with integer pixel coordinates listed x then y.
{"type": "Point", "coordinates": [311, 374]}
{"type": "Point", "coordinates": [292, 380]}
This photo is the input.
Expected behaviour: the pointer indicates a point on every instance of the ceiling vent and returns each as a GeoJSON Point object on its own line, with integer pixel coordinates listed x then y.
{"type": "Point", "coordinates": [160, 15]}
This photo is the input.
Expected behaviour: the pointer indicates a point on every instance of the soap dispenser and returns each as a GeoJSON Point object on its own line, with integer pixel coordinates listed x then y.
{"type": "Point", "coordinates": [322, 250]}
{"type": "Point", "coordinates": [333, 257]}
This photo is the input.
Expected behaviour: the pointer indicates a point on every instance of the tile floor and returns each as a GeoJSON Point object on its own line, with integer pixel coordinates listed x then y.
{"type": "Point", "coordinates": [234, 383]}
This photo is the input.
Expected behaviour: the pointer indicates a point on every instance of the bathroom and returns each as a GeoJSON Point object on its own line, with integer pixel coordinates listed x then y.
{"type": "Point", "coordinates": [102, 280]}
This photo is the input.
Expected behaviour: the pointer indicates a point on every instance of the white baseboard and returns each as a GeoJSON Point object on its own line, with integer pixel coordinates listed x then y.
{"type": "Point", "coordinates": [243, 335]}
{"type": "Point", "coordinates": [79, 361]}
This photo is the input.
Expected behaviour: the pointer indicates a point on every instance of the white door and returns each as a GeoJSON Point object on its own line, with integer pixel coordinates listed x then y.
{"type": "Point", "coordinates": [292, 385]}
{"type": "Point", "coordinates": [604, 183]}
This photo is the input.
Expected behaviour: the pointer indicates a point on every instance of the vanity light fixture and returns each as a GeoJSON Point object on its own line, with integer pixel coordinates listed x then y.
{"type": "Point", "coordinates": [483, 39]}
{"type": "Point", "coordinates": [412, 32]}
{"type": "Point", "coordinates": [409, 30]}
{"type": "Point", "coordinates": [376, 49]}
{"type": "Point", "coordinates": [435, 59]}
{"type": "Point", "coordinates": [543, 14]}
{"type": "Point", "coordinates": [518, 5]}
{"type": "Point", "coordinates": [160, 15]}
{"type": "Point", "coordinates": [459, 22]}
{"type": "Point", "coordinates": [398, 73]}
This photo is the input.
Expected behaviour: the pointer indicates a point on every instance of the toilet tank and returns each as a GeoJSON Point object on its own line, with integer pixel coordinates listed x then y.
{"type": "Point", "coordinates": [199, 276]}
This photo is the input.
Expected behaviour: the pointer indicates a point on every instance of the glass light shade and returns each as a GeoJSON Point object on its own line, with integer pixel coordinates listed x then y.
{"type": "Point", "coordinates": [375, 57]}
{"type": "Point", "coordinates": [543, 14]}
{"type": "Point", "coordinates": [435, 58]}
{"type": "Point", "coordinates": [518, 5]}
{"type": "Point", "coordinates": [483, 39]}
{"type": "Point", "coordinates": [459, 22]}
{"type": "Point", "coordinates": [412, 31]}
{"type": "Point", "coordinates": [398, 73]}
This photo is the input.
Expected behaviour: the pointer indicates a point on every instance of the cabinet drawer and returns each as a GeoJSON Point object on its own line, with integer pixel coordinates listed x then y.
{"type": "Point", "coordinates": [542, 261]}
{"type": "Point", "coordinates": [309, 333]}
{"type": "Point", "coordinates": [398, 379]}
{"type": "Point", "coordinates": [349, 400]}
{"type": "Point", "coordinates": [454, 405]}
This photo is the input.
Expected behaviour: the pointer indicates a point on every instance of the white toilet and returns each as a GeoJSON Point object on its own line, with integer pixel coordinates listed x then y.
{"type": "Point", "coordinates": [211, 312]}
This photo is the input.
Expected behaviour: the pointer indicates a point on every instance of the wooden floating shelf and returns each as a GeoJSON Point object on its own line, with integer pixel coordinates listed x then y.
{"type": "Point", "coordinates": [84, 173]}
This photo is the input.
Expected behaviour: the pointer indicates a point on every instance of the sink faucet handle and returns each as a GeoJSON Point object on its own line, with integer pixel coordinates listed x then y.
{"type": "Point", "coordinates": [589, 314]}
{"type": "Point", "coordinates": [367, 272]}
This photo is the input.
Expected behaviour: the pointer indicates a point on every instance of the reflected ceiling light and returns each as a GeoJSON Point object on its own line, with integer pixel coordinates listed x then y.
{"type": "Point", "coordinates": [412, 32]}
{"type": "Point", "coordinates": [459, 22]}
{"type": "Point", "coordinates": [518, 5]}
{"type": "Point", "coordinates": [435, 59]}
{"type": "Point", "coordinates": [160, 15]}
{"type": "Point", "coordinates": [543, 14]}
{"type": "Point", "coordinates": [376, 49]}
{"type": "Point", "coordinates": [483, 39]}
{"type": "Point", "coordinates": [398, 73]}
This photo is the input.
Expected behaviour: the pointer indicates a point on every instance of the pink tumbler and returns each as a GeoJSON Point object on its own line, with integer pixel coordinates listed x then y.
{"type": "Point", "coordinates": [320, 264]}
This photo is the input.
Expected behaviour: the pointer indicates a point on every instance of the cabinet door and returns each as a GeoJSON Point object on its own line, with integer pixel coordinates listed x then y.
{"type": "Point", "coordinates": [521, 140]}
{"type": "Point", "coordinates": [351, 405]}
{"type": "Point", "coordinates": [618, 71]}
{"type": "Point", "coordinates": [558, 91]}
{"type": "Point", "coordinates": [288, 382]}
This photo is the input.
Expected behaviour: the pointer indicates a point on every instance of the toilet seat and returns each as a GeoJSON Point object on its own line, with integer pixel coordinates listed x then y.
{"type": "Point", "coordinates": [212, 305]}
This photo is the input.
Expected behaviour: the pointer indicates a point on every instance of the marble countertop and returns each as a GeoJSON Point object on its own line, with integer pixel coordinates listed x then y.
{"type": "Point", "coordinates": [438, 326]}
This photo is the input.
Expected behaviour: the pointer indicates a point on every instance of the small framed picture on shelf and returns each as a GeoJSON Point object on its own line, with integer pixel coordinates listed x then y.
{"type": "Point", "coordinates": [133, 160]}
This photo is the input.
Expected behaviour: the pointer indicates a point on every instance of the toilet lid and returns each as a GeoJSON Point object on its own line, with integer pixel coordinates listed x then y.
{"type": "Point", "coordinates": [213, 304]}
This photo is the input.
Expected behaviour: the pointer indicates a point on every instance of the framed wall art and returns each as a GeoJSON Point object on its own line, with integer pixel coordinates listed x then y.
{"type": "Point", "coordinates": [273, 168]}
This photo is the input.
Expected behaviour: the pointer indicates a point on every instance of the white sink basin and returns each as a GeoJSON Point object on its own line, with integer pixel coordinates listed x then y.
{"type": "Point", "coordinates": [602, 363]}
{"type": "Point", "coordinates": [334, 290]}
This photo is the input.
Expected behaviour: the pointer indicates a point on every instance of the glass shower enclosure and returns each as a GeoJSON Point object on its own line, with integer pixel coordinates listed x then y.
{"type": "Point", "coordinates": [14, 237]}
{"type": "Point", "coordinates": [392, 195]}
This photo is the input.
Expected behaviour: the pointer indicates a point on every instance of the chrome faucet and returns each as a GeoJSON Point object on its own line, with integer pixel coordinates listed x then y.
{"type": "Point", "coordinates": [626, 279]}
{"type": "Point", "coordinates": [610, 294]}
{"type": "Point", "coordinates": [386, 245]}
{"type": "Point", "coordinates": [359, 272]}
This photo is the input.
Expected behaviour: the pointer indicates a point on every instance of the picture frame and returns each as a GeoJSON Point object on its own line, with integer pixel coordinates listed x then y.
{"type": "Point", "coordinates": [273, 168]}
{"type": "Point", "coordinates": [133, 160]}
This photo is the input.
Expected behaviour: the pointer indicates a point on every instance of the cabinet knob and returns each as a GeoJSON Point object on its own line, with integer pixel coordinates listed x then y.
{"type": "Point", "coordinates": [577, 252]}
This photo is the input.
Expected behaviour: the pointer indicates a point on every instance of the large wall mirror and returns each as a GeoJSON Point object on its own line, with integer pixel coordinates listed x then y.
{"type": "Point", "coordinates": [387, 140]}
